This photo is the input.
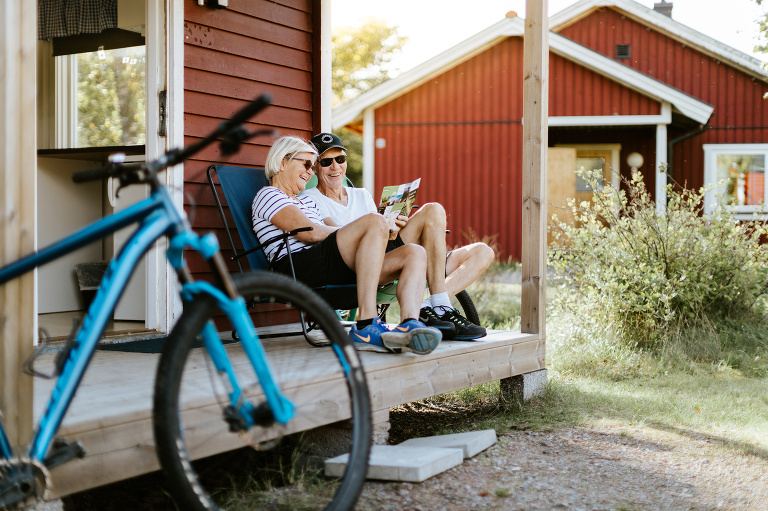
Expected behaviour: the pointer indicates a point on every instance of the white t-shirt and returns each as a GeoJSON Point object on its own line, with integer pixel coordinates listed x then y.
{"type": "Point", "coordinates": [266, 204]}
{"type": "Point", "coordinates": [359, 203]}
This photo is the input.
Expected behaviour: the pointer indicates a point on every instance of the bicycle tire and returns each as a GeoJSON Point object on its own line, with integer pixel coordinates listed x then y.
{"type": "Point", "coordinates": [180, 369]}
{"type": "Point", "coordinates": [468, 306]}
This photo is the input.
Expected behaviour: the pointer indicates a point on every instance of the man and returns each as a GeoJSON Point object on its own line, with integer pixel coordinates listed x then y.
{"type": "Point", "coordinates": [447, 273]}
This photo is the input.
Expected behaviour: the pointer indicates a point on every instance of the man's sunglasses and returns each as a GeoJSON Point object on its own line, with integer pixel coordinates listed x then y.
{"type": "Point", "coordinates": [327, 162]}
{"type": "Point", "coordinates": [308, 164]}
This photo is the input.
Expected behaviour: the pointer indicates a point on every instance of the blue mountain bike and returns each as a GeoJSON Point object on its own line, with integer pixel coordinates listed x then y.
{"type": "Point", "coordinates": [210, 397]}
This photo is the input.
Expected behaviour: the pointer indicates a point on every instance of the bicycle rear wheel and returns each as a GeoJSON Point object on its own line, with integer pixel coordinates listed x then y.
{"type": "Point", "coordinates": [273, 466]}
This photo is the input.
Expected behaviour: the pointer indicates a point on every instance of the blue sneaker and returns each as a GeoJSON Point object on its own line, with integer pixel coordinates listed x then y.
{"type": "Point", "coordinates": [413, 336]}
{"type": "Point", "coordinates": [369, 338]}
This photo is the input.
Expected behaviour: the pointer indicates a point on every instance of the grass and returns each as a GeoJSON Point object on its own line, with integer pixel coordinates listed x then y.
{"type": "Point", "coordinates": [707, 382]}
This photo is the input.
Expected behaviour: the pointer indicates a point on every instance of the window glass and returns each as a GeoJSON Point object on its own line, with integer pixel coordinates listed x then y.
{"type": "Point", "coordinates": [741, 179]}
{"type": "Point", "coordinates": [111, 97]}
{"type": "Point", "coordinates": [589, 163]}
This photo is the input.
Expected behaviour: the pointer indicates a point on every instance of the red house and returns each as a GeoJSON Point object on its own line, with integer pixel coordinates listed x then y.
{"type": "Point", "coordinates": [623, 80]}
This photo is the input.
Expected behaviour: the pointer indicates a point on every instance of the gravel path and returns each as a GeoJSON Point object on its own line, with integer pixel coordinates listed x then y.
{"type": "Point", "coordinates": [604, 467]}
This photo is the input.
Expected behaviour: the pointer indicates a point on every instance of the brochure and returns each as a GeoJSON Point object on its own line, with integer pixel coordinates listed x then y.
{"type": "Point", "coordinates": [398, 200]}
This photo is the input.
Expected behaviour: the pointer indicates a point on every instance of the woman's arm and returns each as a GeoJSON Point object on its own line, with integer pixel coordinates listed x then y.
{"type": "Point", "coordinates": [291, 217]}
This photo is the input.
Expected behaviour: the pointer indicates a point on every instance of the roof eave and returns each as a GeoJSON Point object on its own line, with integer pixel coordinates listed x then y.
{"type": "Point", "coordinates": [666, 26]}
{"type": "Point", "coordinates": [689, 106]}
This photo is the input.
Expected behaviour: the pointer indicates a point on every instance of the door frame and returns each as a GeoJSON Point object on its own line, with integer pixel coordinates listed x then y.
{"type": "Point", "coordinates": [165, 71]}
{"type": "Point", "coordinates": [615, 150]}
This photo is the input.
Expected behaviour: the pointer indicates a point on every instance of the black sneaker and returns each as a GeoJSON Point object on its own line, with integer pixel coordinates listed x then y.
{"type": "Point", "coordinates": [465, 329]}
{"type": "Point", "coordinates": [429, 317]}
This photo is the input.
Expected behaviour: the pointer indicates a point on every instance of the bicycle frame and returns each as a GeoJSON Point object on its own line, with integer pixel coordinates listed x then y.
{"type": "Point", "coordinates": [156, 217]}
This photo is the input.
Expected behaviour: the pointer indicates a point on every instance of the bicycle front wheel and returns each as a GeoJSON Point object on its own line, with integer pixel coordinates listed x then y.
{"type": "Point", "coordinates": [269, 466]}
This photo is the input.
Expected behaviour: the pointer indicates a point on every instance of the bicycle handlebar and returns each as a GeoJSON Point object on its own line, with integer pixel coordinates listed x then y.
{"type": "Point", "coordinates": [113, 169]}
{"type": "Point", "coordinates": [231, 131]}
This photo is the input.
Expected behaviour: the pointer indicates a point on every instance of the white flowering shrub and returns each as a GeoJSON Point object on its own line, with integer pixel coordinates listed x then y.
{"type": "Point", "coordinates": [648, 274]}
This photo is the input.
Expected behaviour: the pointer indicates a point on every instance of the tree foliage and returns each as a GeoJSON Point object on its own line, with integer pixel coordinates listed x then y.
{"type": "Point", "coordinates": [111, 98]}
{"type": "Point", "coordinates": [647, 274]}
{"type": "Point", "coordinates": [763, 24]}
{"type": "Point", "coordinates": [360, 55]}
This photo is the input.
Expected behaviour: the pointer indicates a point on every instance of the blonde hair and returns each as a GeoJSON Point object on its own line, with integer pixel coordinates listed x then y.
{"type": "Point", "coordinates": [285, 147]}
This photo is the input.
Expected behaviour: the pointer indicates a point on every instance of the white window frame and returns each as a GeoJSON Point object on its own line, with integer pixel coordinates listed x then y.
{"type": "Point", "coordinates": [66, 101]}
{"type": "Point", "coordinates": [711, 152]}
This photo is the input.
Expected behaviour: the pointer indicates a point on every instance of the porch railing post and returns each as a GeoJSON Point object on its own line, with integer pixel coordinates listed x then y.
{"type": "Point", "coordinates": [535, 141]}
{"type": "Point", "coordinates": [18, 164]}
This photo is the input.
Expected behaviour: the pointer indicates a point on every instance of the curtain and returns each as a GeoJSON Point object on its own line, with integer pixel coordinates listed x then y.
{"type": "Point", "coordinates": [61, 18]}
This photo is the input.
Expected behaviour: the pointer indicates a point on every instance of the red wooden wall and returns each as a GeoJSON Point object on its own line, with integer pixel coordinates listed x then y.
{"type": "Point", "coordinates": [741, 113]}
{"type": "Point", "coordinates": [231, 56]}
{"type": "Point", "coordinates": [462, 134]}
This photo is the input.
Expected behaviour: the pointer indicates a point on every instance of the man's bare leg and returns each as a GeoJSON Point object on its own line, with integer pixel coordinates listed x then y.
{"type": "Point", "coordinates": [465, 265]}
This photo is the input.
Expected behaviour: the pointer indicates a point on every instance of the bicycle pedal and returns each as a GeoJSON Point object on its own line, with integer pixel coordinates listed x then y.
{"type": "Point", "coordinates": [62, 452]}
{"type": "Point", "coordinates": [235, 421]}
{"type": "Point", "coordinates": [263, 416]}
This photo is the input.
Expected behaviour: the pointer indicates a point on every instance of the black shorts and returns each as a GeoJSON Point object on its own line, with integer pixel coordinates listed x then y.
{"type": "Point", "coordinates": [395, 243]}
{"type": "Point", "coordinates": [318, 266]}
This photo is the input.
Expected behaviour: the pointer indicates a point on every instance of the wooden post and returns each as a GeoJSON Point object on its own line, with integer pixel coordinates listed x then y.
{"type": "Point", "coordinates": [18, 163]}
{"type": "Point", "coordinates": [535, 141]}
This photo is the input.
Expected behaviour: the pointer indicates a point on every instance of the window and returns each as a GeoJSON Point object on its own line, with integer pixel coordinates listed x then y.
{"type": "Point", "coordinates": [622, 51]}
{"type": "Point", "coordinates": [107, 98]}
{"type": "Point", "coordinates": [736, 173]}
{"type": "Point", "coordinates": [588, 162]}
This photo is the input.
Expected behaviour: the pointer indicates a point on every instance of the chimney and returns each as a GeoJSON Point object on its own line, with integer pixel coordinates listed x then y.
{"type": "Point", "coordinates": [664, 8]}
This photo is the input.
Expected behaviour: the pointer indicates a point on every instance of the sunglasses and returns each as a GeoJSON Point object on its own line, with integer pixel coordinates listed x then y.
{"type": "Point", "coordinates": [308, 164]}
{"type": "Point", "coordinates": [327, 162]}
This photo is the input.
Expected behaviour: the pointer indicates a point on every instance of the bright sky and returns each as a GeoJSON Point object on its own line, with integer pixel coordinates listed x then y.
{"type": "Point", "coordinates": [433, 26]}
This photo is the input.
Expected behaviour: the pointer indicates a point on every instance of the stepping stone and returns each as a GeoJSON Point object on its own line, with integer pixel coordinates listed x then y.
{"type": "Point", "coordinates": [397, 463]}
{"type": "Point", "coordinates": [470, 443]}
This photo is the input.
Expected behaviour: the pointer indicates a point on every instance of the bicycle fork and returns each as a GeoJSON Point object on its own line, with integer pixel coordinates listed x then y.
{"type": "Point", "coordinates": [240, 414]}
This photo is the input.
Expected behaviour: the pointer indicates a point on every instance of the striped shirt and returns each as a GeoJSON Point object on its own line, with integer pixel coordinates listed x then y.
{"type": "Point", "coordinates": [266, 204]}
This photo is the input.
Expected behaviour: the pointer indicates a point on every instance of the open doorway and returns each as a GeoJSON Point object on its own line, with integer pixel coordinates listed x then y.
{"type": "Point", "coordinates": [92, 101]}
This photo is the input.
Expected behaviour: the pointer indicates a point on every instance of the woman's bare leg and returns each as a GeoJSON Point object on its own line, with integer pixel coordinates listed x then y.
{"type": "Point", "coordinates": [407, 264]}
{"type": "Point", "coordinates": [362, 244]}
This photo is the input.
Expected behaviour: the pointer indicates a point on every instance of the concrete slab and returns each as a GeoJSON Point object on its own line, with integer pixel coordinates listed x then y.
{"type": "Point", "coordinates": [397, 463]}
{"type": "Point", "coordinates": [470, 443]}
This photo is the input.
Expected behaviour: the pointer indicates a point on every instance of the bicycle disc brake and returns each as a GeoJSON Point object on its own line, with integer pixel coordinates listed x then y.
{"type": "Point", "coordinates": [22, 482]}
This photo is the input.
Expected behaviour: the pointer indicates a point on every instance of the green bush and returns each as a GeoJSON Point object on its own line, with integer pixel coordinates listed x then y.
{"type": "Point", "coordinates": [648, 275]}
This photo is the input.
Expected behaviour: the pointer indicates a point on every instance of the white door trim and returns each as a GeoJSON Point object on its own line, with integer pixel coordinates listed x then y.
{"type": "Point", "coordinates": [165, 71]}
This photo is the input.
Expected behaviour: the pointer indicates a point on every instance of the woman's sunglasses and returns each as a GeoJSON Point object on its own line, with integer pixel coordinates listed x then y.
{"type": "Point", "coordinates": [327, 162]}
{"type": "Point", "coordinates": [308, 164]}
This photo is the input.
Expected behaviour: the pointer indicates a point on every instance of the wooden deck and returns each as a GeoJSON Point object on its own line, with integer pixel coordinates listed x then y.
{"type": "Point", "coordinates": [111, 414]}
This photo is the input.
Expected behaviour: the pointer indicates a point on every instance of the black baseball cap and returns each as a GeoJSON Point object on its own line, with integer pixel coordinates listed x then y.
{"type": "Point", "coordinates": [325, 141]}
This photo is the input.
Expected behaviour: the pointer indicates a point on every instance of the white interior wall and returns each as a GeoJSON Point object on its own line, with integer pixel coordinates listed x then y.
{"type": "Point", "coordinates": [64, 207]}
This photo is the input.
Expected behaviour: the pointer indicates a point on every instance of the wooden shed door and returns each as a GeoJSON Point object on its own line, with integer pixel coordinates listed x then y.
{"type": "Point", "coordinates": [564, 184]}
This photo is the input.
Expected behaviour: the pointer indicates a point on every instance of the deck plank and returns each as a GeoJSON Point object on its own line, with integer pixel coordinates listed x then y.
{"type": "Point", "coordinates": [111, 413]}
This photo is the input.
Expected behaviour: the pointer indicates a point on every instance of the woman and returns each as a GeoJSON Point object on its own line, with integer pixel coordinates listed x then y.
{"type": "Point", "coordinates": [448, 274]}
{"type": "Point", "coordinates": [353, 254]}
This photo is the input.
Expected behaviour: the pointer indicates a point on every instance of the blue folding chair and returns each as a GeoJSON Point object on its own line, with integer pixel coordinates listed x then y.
{"type": "Point", "coordinates": [239, 186]}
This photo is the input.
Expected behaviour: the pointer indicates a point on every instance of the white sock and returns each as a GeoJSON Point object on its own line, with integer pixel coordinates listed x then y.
{"type": "Point", "coordinates": [426, 303]}
{"type": "Point", "coordinates": [441, 300]}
